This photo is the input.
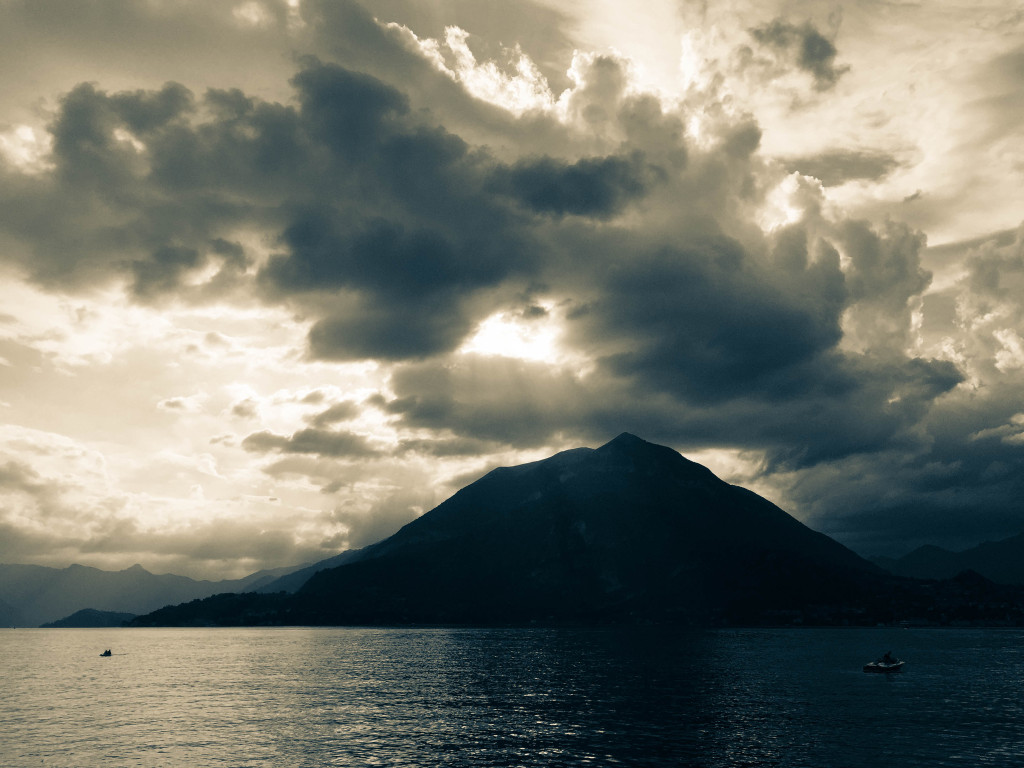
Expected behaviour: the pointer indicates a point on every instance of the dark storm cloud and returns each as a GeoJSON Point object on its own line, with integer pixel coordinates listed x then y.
{"type": "Point", "coordinates": [144, 192]}
{"type": "Point", "coordinates": [812, 51]}
{"type": "Point", "coordinates": [371, 328]}
{"type": "Point", "coordinates": [955, 492]}
{"type": "Point", "coordinates": [589, 187]}
{"type": "Point", "coordinates": [708, 324]}
{"type": "Point", "coordinates": [394, 229]}
{"type": "Point", "coordinates": [425, 223]}
{"type": "Point", "coordinates": [412, 233]}
{"type": "Point", "coordinates": [709, 342]}
{"type": "Point", "coordinates": [348, 110]}
{"type": "Point", "coordinates": [848, 406]}
{"type": "Point", "coordinates": [368, 199]}
{"type": "Point", "coordinates": [494, 400]}
{"type": "Point", "coordinates": [164, 270]}
{"type": "Point", "coordinates": [954, 477]}
{"type": "Point", "coordinates": [353, 37]}
{"type": "Point", "coordinates": [392, 233]}
{"type": "Point", "coordinates": [402, 221]}
{"type": "Point", "coordinates": [448, 446]}
{"type": "Point", "coordinates": [841, 165]}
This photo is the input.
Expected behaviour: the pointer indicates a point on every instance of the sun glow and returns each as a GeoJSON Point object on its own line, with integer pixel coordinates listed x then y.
{"type": "Point", "coordinates": [27, 148]}
{"type": "Point", "coordinates": [507, 335]}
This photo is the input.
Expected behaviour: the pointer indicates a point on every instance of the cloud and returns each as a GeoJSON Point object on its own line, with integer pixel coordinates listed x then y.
{"type": "Point", "coordinates": [953, 478]}
{"type": "Point", "coordinates": [706, 322]}
{"type": "Point", "coordinates": [316, 441]}
{"type": "Point", "coordinates": [810, 50]}
{"type": "Point", "coordinates": [396, 191]}
{"type": "Point", "coordinates": [394, 236]}
{"type": "Point", "coordinates": [383, 519]}
{"type": "Point", "coordinates": [835, 167]}
{"type": "Point", "coordinates": [343, 411]}
{"type": "Point", "coordinates": [180, 404]}
{"type": "Point", "coordinates": [507, 401]}
{"type": "Point", "coordinates": [15, 476]}
{"type": "Point", "coordinates": [118, 166]}
{"type": "Point", "coordinates": [494, 29]}
{"type": "Point", "coordinates": [245, 409]}
{"type": "Point", "coordinates": [589, 187]}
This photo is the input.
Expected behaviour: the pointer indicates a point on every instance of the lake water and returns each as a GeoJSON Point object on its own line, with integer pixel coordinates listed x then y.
{"type": "Point", "coordinates": [494, 697]}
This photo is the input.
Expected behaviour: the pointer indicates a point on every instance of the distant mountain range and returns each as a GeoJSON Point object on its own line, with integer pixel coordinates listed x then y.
{"type": "Point", "coordinates": [629, 532]}
{"type": "Point", "coordinates": [1000, 561]}
{"type": "Point", "coordinates": [31, 595]}
{"type": "Point", "coordinates": [91, 618]}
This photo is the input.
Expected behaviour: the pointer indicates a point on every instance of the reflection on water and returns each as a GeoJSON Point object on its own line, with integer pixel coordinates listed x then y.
{"type": "Point", "coordinates": [539, 697]}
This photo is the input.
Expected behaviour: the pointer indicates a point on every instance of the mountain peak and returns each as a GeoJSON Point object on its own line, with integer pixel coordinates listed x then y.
{"type": "Point", "coordinates": [626, 439]}
{"type": "Point", "coordinates": [634, 452]}
{"type": "Point", "coordinates": [630, 529]}
{"type": "Point", "coordinates": [628, 444]}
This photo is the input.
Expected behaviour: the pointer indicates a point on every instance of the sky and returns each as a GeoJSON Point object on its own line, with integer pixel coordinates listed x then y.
{"type": "Point", "coordinates": [278, 276]}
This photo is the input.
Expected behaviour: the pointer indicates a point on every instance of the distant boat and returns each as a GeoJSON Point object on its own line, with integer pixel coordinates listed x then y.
{"type": "Point", "coordinates": [106, 653]}
{"type": "Point", "coordinates": [887, 663]}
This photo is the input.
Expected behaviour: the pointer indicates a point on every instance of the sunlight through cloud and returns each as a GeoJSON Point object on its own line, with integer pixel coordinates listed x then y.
{"type": "Point", "coordinates": [506, 335]}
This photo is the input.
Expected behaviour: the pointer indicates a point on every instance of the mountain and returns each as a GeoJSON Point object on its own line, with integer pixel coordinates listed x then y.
{"type": "Point", "coordinates": [10, 616]}
{"type": "Point", "coordinates": [91, 618]}
{"type": "Point", "coordinates": [1000, 561]}
{"type": "Point", "coordinates": [627, 532]}
{"type": "Point", "coordinates": [31, 595]}
{"type": "Point", "coordinates": [295, 579]}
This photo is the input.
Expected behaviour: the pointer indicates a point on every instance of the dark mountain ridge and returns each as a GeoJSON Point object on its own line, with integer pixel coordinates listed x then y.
{"type": "Point", "coordinates": [1000, 561]}
{"type": "Point", "coordinates": [630, 531]}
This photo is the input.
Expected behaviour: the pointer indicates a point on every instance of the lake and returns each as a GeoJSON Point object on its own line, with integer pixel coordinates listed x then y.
{"type": "Point", "coordinates": [510, 697]}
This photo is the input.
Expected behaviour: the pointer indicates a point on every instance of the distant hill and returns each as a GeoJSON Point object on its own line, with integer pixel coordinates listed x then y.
{"type": "Point", "coordinates": [628, 532]}
{"type": "Point", "coordinates": [89, 617]}
{"type": "Point", "coordinates": [1000, 561]}
{"type": "Point", "coordinates": [31, 595]}
{"type": "Point", "coordinates": [10, 616]}
{"type": "Point", "coordinates": [295, 579]}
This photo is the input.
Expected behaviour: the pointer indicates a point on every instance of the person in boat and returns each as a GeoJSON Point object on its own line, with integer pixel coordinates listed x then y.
{"type": "Point", "coordinates": [888, 658]}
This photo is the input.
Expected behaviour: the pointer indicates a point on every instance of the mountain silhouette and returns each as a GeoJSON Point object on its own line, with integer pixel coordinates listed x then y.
{"type": "Point", "coordinates": [89, 618]}
{"type": "Point", "coordinates": [295, 578]}
{"type": "Point", "coordinates": [627, 531]}
{"type": "Point", "coordinates": [31, 595]}
{"type": "Point", "coordinates": [1000, 561]}
{"type": "Point", "coordinates": [630, 532]}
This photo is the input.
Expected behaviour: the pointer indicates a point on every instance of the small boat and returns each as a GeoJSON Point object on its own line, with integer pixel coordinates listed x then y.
{"type": "Point", "coordinates": [887, 663]}
{"type": "Point", "coordinates": [106, 653]}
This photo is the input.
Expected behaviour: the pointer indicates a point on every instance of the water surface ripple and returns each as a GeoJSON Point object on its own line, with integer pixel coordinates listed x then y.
{"type": "Point", "coordinates": [507, 697]}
